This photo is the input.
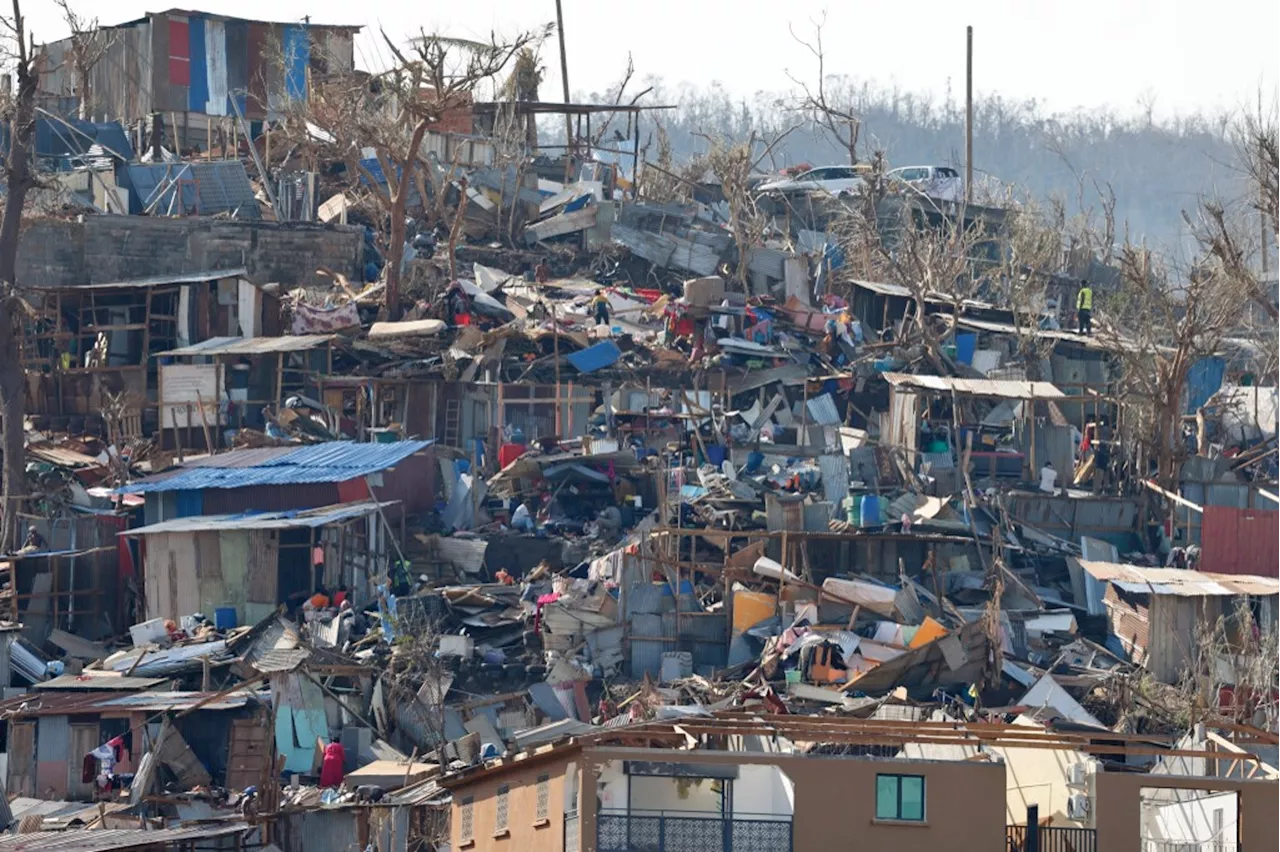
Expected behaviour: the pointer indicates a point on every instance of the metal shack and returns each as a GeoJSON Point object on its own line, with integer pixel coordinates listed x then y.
{"type": "Point", "coordinates": [1157, 613]}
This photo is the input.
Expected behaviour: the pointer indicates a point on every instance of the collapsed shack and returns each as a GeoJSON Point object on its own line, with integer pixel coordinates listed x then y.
{"type": "Point", "coordinates": [88, 343]}
{"type": "Point", "coordinates": [947, 431]}
{"type": "Point", "coordinates": [251, 565]}
{"type": "Point", "coordinates": [164, 739]}
{"type": "Point", "coordinates": [243, 383]}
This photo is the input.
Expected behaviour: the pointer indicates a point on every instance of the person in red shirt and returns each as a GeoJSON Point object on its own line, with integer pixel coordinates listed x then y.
{"type": "Point", "coordinates": [333, 768]}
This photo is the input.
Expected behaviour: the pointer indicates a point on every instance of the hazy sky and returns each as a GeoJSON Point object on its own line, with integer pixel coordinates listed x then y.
{"type": "Point", "coordinates": [1082, 53]}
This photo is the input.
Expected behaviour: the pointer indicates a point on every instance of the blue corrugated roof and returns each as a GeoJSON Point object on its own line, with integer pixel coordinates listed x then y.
{"type": "Point", "coordinates": [332, 461]}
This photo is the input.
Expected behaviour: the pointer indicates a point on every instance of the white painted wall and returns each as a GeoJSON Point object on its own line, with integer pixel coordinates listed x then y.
{"type": "Point", "coordinates": [758, 790]}
{"type": "Point", "coordinates": [763, 790]}
{"type": "Point", "coordinates": [1196, 820]}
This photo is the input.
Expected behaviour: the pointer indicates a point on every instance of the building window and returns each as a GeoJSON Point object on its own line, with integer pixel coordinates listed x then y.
{"type": "Point", "coordinates": [466, 824]}
{"type": "Point", "coordinates": [900, 797]}
{"type": "Point", "coordinates": [544, 798]}
{"type": "Point", "coordinates": [500, 812]}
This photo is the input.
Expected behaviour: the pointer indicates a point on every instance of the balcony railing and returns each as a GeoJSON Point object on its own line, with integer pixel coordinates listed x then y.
{"type": "Point", "coordinates": [681, 831]}
{"type": "Point", "coordinates": [1150, 845]}
{"type": "Point", "coordinates": [1051, 839]}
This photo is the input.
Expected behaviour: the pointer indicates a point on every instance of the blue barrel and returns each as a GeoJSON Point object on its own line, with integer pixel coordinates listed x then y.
{"type": "Point", "coordinates": [224, 617]}
{"type": "Point", "coordinates": [869, 511]}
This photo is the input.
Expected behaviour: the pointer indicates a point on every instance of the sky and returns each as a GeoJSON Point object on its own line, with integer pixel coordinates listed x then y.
{"type": "Point", "coordinates": [1180, 55]}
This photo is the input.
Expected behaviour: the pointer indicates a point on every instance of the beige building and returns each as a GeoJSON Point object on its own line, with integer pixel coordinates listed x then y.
{"type": "Point", "coordinates": [744, 783]}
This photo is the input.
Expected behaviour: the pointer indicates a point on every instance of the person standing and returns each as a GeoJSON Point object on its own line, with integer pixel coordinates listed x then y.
{"type": "Point", "coordinates": [600, 307]}
{"type": "Point", "coordinates": [1084, 308]}
{"type": "Point", "coordinates": [333, 769]}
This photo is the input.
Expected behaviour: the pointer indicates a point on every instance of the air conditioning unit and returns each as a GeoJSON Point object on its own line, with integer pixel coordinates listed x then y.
{"type": "Point", "coordinates": [1078, 807]}
{"type": "Point", "coordinates": [1078, 775]}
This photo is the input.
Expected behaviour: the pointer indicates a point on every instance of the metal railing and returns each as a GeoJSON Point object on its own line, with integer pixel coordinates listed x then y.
{"type": "Point", "coordinates": [1152, 845]}
{"type": "Point", "coordinates": [677, 831]}
{"type": "Point", "coordinates": [1051, 839]}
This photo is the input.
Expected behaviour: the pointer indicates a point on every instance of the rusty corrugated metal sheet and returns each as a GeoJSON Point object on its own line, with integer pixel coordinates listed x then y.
{"type": "Point", "coordinates": [1240, 541]}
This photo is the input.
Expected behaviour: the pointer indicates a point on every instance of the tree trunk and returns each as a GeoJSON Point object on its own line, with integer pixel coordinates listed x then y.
{"type": "Point", "coordinates": [399, 202]}
{"type": "Point", "coordinates": [395, 251]}
{"type": "Point", "coordinates": [12, 379]}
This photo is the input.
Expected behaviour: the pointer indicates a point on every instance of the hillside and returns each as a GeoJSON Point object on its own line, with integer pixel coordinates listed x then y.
{"type": "Point", "coordinates": [1156, 168]}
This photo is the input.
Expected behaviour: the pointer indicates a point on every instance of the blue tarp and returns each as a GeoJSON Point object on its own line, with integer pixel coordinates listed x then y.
{"type": "Point", "coordinates": [297, 56]}
{"type": "Point", "coordinates": [1203, 381]}
{"type": "Point", "coordinates": [198, 90]}
{"type": "Point", "coordinates": [595, 357]}
{"type": "Point", "coordinates": [59, 144]}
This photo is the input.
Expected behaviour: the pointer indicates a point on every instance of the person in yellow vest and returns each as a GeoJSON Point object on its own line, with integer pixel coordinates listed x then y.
{"type": "Point", "coordinates": [1084, 308]}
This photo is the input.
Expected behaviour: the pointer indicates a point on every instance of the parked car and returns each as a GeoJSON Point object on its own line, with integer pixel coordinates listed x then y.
{"type": "Point", "coordinates": [940, 182]}
{"type": "Point", "coordinates": [835, 180]}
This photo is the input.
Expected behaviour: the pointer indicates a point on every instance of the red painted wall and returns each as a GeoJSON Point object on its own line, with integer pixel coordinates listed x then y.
{"type": "Point", "coordinates": [1240, 541]}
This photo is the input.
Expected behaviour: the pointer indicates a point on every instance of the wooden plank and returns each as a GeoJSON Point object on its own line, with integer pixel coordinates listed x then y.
{"type": "Point", "coordinates": [22, 759]}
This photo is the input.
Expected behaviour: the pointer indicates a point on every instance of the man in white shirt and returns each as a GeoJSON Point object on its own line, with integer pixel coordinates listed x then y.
{"type": "Point", "coordinates": [1048, 477]}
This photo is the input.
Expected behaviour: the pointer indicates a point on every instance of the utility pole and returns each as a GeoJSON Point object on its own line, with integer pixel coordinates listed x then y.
{"type": "Point", "coordinates": [968, 115]}
{"type": "Point", "coordinates": [564, 79]}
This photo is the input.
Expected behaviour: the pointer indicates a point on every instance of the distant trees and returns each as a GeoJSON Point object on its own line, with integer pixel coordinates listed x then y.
{"type": "Point", "coordinates": [1155, 168]}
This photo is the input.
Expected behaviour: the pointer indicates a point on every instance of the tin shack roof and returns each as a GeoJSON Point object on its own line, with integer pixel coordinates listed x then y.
{"type": "Point", "coordinates": [976, 387]}
{"type": "Point", "coordinates": [1179, 581]}
{"type": "Point", "coordinates": [152, 281]}
{"type": "Point", "coordinates": [331, 461]}
{"type": "Point", "coordinates": [108, 839]}
{"type": "Point", "coordinates": [309, 518]}
{"type": "Point", "coordinates": [71, 703]}
{"type": "Point", "coordinates": [251, 345]}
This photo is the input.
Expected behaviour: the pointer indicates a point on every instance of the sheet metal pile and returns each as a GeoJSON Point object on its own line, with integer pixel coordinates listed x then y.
{"type": "Point", "coordinates": [596, 484]}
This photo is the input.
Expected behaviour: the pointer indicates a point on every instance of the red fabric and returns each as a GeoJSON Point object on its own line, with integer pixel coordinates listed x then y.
{"type": "Point", "coordinates": [508, 453]}
{"type": "Point", "coordinates": [331, 771]}
{"type": "Point", "coordinates": [179, 52]}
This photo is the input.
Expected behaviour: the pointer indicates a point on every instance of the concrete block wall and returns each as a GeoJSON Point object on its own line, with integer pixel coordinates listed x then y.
{"type": "Point", "coordinates": [104, 249]}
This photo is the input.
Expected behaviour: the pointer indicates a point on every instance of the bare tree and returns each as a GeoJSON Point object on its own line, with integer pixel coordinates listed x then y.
{"type": "Point", "coordinates": [1168, 326]}
{"type": "Point", "coordinates": [619, 91]}
{"type": "Point", "coordinates": [19, 112]}
{"type": "Point", "coordinates": [733, 166]}
{"type": "Point", "coordinates": [391, 113]}
{"type": "Point", "coordinates": [836, 121]}
{"type": "Point", "coordinates": [89, 44]}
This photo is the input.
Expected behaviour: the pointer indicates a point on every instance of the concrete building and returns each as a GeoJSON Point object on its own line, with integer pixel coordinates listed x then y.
{"type": "Point", "coordinates": [761, 783]}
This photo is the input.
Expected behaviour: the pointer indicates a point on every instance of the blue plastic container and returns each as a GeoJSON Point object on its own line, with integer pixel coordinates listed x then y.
{"type": "Point", "coordinates": [869, 511]}
{"type": "Point", "coordinates": [224, 617]}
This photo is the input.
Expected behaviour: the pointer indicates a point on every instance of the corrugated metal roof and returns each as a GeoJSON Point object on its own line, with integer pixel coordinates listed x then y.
{"type": "Point", "coordinates": [70, 703]}
{"type": "Point", "coordinates": [158, 280]}
{"type": "Point", "coordinates": [251, 345]}
{"type": "Point", "coordinates": [1178, 581]}
{"type": "Point", "coordinates": [309, 518]}
{"type": "Point", "coordinates": [823, 411]}
{"type": "Point", "coordinates": [192, 188]}
{"type": "Point", "coordinates": [1101, 341]}
{"type": "Point", "coordinates": [108, 839]}
{"type": "Point", "coordinates": [1006, 389]}
{"type": "Point", "coordinates": [332, 461]}
{"type": "Point", "coordinates": [100, 682]}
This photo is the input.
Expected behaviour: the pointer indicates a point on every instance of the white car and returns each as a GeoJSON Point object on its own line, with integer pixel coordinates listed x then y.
{"type": "Point", "coordinates": [939, 182]}
{"type": "Point", "coordinates": [834, 180]}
